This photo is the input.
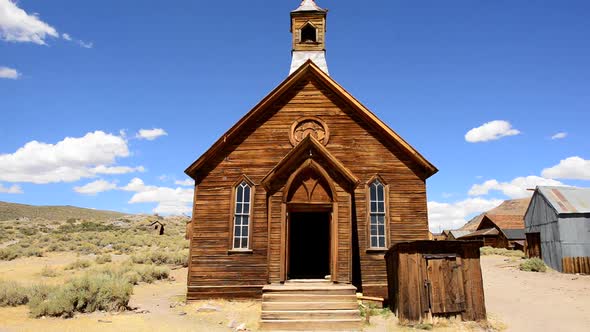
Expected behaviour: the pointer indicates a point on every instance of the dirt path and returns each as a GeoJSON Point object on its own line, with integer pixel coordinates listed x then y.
{"type": "Point", "coordinates": [531, 301]}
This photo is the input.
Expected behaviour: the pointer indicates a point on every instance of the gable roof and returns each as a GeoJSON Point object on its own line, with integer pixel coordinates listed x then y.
{"type": "Point", "coordinates": [310, 68]}
{"type": "Point", "coordinates": [506, 221]}
{"type": "Point", "coordinates": [508, 207]}
{"type": "Point", "coordinates": [567, 200]}
{"type": "Point", "coordinates": [309, 148]}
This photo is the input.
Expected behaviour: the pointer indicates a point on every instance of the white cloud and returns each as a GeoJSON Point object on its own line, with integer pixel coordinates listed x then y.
{"type": "Point", "coordinates": [66, 36]}
{"type": "Point", "coordinates": [574, 168]}
{"type": "Point", "coordinates": [14, 189]}
{"type": "Point", "coordinates": [96, 187]}
{"type": "Point", "coordinates": [9, 73]}
{"type": "Point", "coordinates": [516, 188]}
{"type": "Point", "coordinates": [18, 26]}
{"type": "Point", "coordinates": [151, 134]}
{"type": "Point", "coordinates": [69, 160]}
{"type": "Point", "coordinates": [491, 131]}
{"type": "Point", "coordinates": [170, 200]}
{"type": "Point", "coordinates": [85, 44]}
{"type": "Point", "coordinates": [102, 169]}
{"type": "Point", "coordinates": [559, 135]}
{"type": "Point", "coordinates": [185, 183]}
{"type": "Point", "coordinates": [443, 216]}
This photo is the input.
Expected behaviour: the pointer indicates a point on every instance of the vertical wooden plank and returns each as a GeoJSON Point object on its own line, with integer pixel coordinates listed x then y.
{"type": "Point", "coordinates": [283, 267]}
{"type": "Point", "coordinates": [437, 304]}
{"type": "Point", "coordinates": [458, 290]}
{"type": "Point", "coordinates": [335, 246]}
{"type": "Point", "coordinates": [466, 269]}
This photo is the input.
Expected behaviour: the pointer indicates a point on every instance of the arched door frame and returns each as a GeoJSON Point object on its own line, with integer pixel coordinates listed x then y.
{"type": "Point", "coordinates": [287, 207]}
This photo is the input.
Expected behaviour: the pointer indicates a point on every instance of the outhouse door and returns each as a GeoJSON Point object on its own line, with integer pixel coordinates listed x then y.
{"type": "Point", "coordinates": [445, 284]}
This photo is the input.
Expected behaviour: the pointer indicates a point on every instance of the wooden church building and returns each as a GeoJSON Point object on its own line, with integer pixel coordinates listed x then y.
{"type": "Point", "coordinates": [308, 186]}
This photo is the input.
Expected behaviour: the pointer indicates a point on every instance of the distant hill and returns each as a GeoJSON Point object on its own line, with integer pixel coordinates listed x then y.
{"type": "Point", "coordinates": [12, 211]}
{"type": "Point", "coordinates": [509, 207]}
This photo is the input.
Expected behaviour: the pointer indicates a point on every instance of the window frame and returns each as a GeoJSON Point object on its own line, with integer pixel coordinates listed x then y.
{"type": "Point", "coordinates": [385, 215]}
{"type": "Point", "coordinates": [233, 216]}
{"type": "Point", "coordinates": [300, 34]}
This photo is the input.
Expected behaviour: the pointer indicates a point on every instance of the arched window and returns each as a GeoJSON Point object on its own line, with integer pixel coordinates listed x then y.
{"type": "Point", "coordinates": [242, 210]}
{"type": "Point", "coordinates": [309, 34]}
{"type": "Point", "coordinates": [377, 214]}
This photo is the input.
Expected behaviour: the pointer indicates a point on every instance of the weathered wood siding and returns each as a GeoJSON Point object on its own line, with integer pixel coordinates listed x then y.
{"type": "Point", "coordinates": [420, 273]}
{"type": "Point", "coordinates": [258, 149]}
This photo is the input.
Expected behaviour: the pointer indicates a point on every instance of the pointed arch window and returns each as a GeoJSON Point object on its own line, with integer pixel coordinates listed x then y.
{"type": "Point", "coordinates": [242, 220]}
{"type": "Point", "coordinates": [377, 214]}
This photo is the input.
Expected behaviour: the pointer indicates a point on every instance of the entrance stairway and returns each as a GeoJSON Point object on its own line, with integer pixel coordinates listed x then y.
{"type": "Point", "coordinates": [310, 305]}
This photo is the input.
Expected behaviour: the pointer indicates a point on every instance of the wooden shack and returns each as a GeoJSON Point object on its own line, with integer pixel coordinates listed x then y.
{"type": "Point", "coordinates": [435, 278]}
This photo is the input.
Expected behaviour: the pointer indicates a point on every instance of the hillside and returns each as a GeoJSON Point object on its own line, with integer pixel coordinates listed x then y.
{"type": "Point", "coordinates": [508, 207]}
{"type": "Point", "coordinates": [11, 211]}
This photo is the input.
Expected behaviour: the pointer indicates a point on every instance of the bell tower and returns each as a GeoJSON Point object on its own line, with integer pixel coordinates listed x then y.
{"type": "Point", "coordinates": [308, 26]}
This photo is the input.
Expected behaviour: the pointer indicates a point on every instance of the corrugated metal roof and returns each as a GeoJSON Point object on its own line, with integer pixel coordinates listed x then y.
{"type": "Point", "coordinates": [458, 233]}
{"type": "Point", "coordinates": [567, 199]}
{"type": "Point", "coordinates": [307, 6]}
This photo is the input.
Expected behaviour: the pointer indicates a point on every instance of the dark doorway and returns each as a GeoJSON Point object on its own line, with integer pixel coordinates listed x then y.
{"type": "Point", "coordinates": [309, 239]}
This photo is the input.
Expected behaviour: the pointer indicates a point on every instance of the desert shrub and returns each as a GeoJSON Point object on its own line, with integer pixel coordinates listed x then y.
{"type": "Point", "coordinates": [162, 257]}
{"type": "Point", "coordinates": [87, 248]}
{"type": "Point", "coordinates": [78, 265]}
{"type": "Point", "coordinates": [8, 254]}
{"type": "Point", "coordinates": [85, 294]}
{"type": "Point", "coordinates": [533, 265]}
{"type": "Point", "coordinates": [12, 294]}
{"type": "Point", "coordinates": [134, 273]}
{"type": "Point", "coordinates": [48, 272]}
{"type": "Point", "coordinates": [16, 251]}
{"type": "Point", "coordinates": [501, 252]}
{"type": "Point", "coordinates": [102, 259]}
{"type": "Point", "coordinates": [28, 231]}
{"type": "Point", "coordinates": [151, 273]}
{"type": "Point", "coordinates": [55, 246]}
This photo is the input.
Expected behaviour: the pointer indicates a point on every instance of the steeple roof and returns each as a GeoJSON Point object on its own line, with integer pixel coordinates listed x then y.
{"type": "Point", "coordinates": [308, 6]}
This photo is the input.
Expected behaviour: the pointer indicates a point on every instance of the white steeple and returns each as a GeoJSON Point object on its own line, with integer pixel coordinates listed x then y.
{"type": "Point", "coordinates": [308, 5]}
{"type": "Point", "coordinates": [308, 26]}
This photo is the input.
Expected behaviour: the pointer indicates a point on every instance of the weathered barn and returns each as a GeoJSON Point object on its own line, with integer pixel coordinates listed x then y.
{"type": "Point", "coordinates": [436, 278]}
{"type": "Point", "coordinates": [557, 226]}
{"type": "Point", "coordinates": [499, 231]}
{"type": "Point", "coordinates": [307, 185]}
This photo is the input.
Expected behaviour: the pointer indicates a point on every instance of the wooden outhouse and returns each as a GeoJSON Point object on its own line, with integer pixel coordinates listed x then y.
{"type": "Point", "coordinates": [435, 278]}
{"type": "Point", "coordinates": [309, 184]}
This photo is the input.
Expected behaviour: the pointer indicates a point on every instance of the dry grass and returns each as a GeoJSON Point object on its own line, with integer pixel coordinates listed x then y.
{"type": "Point", "coordinates": [501, 252]}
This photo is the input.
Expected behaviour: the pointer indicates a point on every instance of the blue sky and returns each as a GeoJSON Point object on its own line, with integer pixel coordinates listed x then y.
{"type": "Point", "coordinates": [98, 72]}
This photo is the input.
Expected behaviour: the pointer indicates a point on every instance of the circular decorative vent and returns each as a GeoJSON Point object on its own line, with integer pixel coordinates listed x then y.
{"type": "Point", "coordinates": [309, 126]}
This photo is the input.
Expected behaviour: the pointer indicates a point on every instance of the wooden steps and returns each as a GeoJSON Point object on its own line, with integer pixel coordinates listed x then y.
{"type": "Point", "coordinates": [310, 305]}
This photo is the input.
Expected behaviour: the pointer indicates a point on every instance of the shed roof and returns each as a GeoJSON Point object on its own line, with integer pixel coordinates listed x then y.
{"type": "Point", "coordinates": [567, 200]}
{"type": "Point", "coordinates": [482, 232]}
{"type": "Point", "coordinates": [458, 233]}
{"type": "Point", "coordinates": [308, 6]}
{"type": "Point", "coordinates": [514, 234]}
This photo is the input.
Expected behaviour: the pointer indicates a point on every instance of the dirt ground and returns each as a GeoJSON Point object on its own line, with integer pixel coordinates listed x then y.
{"type": "Point", "coordinates": [520, 301]}
{"type": "Point", "coordinates": [531, 301]}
